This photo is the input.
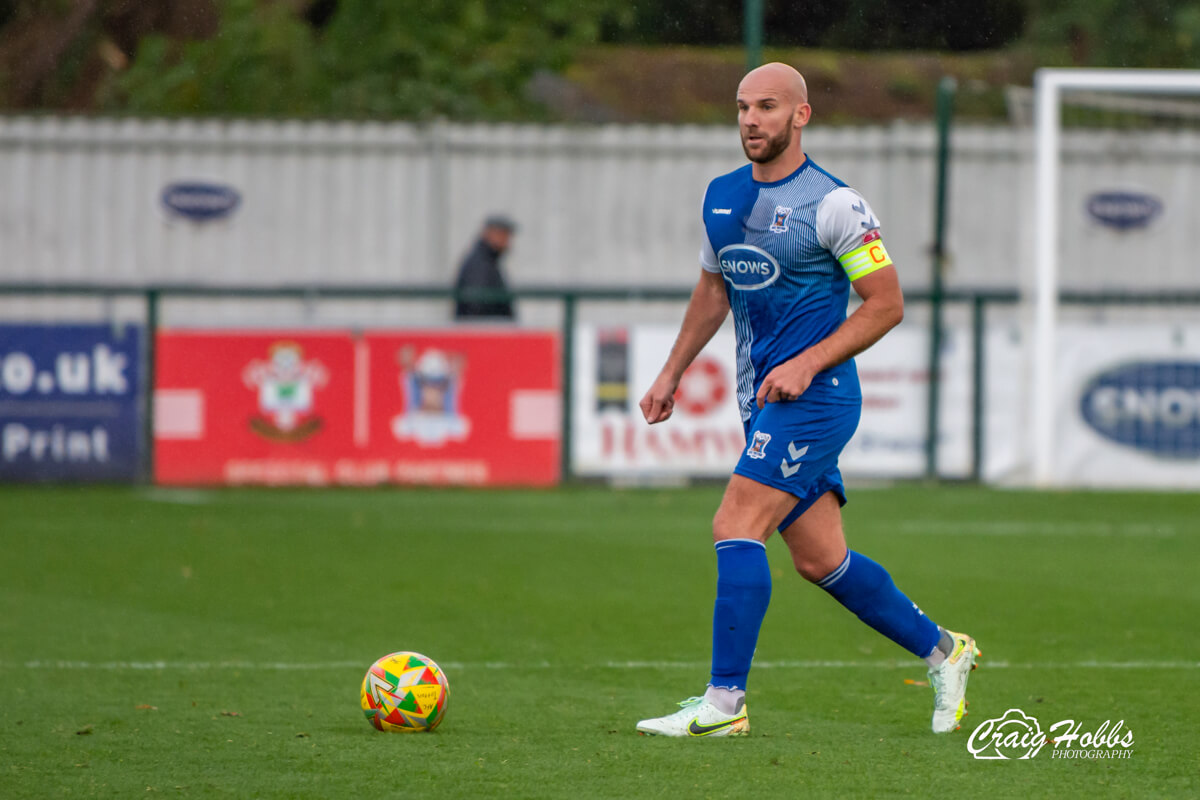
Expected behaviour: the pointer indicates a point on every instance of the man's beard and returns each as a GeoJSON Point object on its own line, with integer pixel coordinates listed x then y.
{"type": "Point", "coordinates": [773, 146]}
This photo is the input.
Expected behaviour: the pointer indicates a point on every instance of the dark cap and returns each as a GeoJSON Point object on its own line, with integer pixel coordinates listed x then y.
{"type": "Point", "coordinates": [500, 221]}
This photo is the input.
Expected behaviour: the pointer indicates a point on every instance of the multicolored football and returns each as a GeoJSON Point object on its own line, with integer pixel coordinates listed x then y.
{"type": "Point", "coordinates": [405, 692]}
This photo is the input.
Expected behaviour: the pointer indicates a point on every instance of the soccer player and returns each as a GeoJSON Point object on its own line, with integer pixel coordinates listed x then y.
{"type": "Point", "coordinates": [785, 241]}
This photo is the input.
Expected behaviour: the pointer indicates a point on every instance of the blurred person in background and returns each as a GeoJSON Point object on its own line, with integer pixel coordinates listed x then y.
{"type": "Point", "coordinates": [480, 290]}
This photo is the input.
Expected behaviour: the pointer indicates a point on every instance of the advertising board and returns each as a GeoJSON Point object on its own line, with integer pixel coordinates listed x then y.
{"type": "Point", "coordinates": [70, 402]}
{"type": "Point", "coordinates": [704, 438]}
{"type": "Point", "coordinates": [323, 408]}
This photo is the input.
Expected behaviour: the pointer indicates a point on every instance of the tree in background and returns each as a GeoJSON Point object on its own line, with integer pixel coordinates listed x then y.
{"type": "Point", "coordinates": [58, 54]}
{"type": "Point", "coordinates": [414, 59]}
{"type": "Point", "coordinates": [458, 58]}
{"type": "Point", "coordinates": [1118, 33]}
{"type": "Point", "coordinates": [1098, 33]}
{"type": "Point", "coordinates": [927, 24]}
{"type": "Point", "coordinates": [263, 60]}
{"type": "Point", "coordinates": [337, 58]}
{"type": "Point", "coordinates": [362, 58]}
{"type": "Point", "coordinates": [849, 24]}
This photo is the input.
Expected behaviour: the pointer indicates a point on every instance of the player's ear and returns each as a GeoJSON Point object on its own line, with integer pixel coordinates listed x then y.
{"type": "Point", "coordinates": [802, 114]}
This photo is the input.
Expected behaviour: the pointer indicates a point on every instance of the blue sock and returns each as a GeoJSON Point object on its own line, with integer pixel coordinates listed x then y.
{"type": "Point", "coordinates": [743, 592]}
{"type": "Point", "coordinates": [865, 588]}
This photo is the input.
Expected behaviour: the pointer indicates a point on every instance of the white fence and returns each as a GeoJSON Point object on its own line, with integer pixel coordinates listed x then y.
{"type": "Point", "coordinates": [368, 203]}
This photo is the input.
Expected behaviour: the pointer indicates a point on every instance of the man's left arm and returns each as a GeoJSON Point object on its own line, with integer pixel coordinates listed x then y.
{"type": "Point", "coordinates": [881, 310]}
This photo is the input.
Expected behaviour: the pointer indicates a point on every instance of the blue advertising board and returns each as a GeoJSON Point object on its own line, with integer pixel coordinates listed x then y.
{"type": "Point", "coordinates": [70, 402]}
{"type": "Point", "coordinates": [1153, 406]}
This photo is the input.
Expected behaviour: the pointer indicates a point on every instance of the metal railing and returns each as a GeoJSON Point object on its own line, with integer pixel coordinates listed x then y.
{"type": "Point", "coordinates": [977, 301]}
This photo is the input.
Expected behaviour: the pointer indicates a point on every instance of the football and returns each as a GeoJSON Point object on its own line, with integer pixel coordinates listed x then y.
{"type": "Point", "coordinates": [405, 692]}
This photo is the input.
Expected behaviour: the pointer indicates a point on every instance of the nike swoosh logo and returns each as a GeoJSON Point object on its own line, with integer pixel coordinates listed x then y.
{"type": "Point", "coordinates": [696, 729]}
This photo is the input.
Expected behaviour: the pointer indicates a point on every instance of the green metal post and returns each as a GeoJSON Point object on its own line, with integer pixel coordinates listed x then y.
{"type": "Point", "coordinates": [753, 29]}
{"type": "Point", "coordinates": [568, 381]}
{"type": "Point", "coordinates": [152, 299]}
{"type": "Point", "coordinates": [945, 111]}
{"type": "Point", "coordinates": [978, 310]}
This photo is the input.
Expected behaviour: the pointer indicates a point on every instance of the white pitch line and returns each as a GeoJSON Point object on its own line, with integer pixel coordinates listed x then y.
{"type": "Point", "coordinates": [286, 666]}
{"type": "Point", "coordinates": [183, 497]}
{"type": "Point", "coordinates": [1043, 528]}
{"type": "Point", "coordinates": [193, 666]}
{"type": "Point", "coordinates": [983, 663]}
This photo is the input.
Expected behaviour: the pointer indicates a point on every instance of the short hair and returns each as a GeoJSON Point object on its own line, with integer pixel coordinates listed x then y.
{"type": "Point", "coordinates": [500, 221]}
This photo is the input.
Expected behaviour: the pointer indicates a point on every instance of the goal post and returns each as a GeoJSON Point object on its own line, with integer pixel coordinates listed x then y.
{"type": "Point", "coordinates": [1050, 85]}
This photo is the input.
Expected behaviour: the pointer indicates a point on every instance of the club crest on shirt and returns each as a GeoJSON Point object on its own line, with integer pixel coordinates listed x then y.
{"type": "Point", "coordinates": [781, 217]}
{"type": "Point", "coordinates": [758, 446]}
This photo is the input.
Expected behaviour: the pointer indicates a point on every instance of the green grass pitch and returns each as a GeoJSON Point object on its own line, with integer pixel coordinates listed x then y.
{"type": "Point", "coordinates": [211, 644]}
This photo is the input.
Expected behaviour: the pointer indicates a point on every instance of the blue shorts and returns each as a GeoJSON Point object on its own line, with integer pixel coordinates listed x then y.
{"type": "Point", "coordinates": [794, 446]}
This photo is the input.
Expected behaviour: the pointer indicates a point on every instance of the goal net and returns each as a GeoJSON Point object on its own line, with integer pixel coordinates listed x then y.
{"type": "Point", "coordinates": [1114, 288]}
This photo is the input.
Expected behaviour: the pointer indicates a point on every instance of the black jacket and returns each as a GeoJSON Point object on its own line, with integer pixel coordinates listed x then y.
{"type": "Point", "coordinates": [480, 290]}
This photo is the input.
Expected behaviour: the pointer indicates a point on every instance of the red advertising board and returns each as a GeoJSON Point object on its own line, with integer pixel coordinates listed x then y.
{"type": "Point", "coordinates": [325, 408]}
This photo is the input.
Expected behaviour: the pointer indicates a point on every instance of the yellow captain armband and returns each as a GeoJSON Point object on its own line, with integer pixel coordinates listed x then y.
{"type": "Point", "coordinates": [866, 259]}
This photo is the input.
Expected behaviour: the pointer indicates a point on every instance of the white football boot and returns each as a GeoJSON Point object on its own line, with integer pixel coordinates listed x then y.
{"type": "Point", "coordinates": [697, 717]}
{"type": "Point", "coordinates": [949, 682]}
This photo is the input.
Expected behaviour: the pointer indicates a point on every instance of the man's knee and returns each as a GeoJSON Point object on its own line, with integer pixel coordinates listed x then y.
{"type": "Point", "coordinates": [750, 510]}
{"type": "Point", "coordinates": [815, 566]}
{"type": "Point", "coordinates": [725, 525]}
{"type": "Point", "coordinates": [737, 519]}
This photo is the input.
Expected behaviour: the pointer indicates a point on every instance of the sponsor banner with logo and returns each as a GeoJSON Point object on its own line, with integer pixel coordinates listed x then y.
{"type": "Point", "coordinates": [1128, 408]}
{"type": "Point", "coordinates": [70, 402]}
{"type": "Point", "coordinates": [200, 202]}
{"type": "Point", "coordinates": [894, 373]}
{"type": "Point", "coordinates": [1123, 209]}
{"type": "Point", "coordinates": [614, 366]}
{"type": "Point", "coordinates": [325, 408]}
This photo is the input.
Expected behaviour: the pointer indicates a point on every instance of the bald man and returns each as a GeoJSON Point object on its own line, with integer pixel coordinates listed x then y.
{"type": "Point", "coordinates": [785, 242]}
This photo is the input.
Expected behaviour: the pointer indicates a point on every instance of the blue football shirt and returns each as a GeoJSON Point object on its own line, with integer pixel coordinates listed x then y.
{"type": "Point", "coordinates": [788, 251]}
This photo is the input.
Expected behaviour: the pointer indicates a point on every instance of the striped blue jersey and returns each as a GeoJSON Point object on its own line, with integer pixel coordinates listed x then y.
{"type": "Point", "coordinates": [788, 251]}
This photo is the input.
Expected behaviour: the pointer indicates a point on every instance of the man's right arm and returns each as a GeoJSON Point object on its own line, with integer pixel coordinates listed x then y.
{"type": "Point", "coordinates": [706, 312]}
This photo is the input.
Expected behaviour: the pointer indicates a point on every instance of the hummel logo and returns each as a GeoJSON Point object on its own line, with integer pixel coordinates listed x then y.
{"type": "Point", "coordinates": [861, 208]}
{"type": "Point", "coordinates": [722, 211]}
{"type": "Point", "coordinates": [787, 469]}
{"type": "Point", "coordinates": [696, 729]}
